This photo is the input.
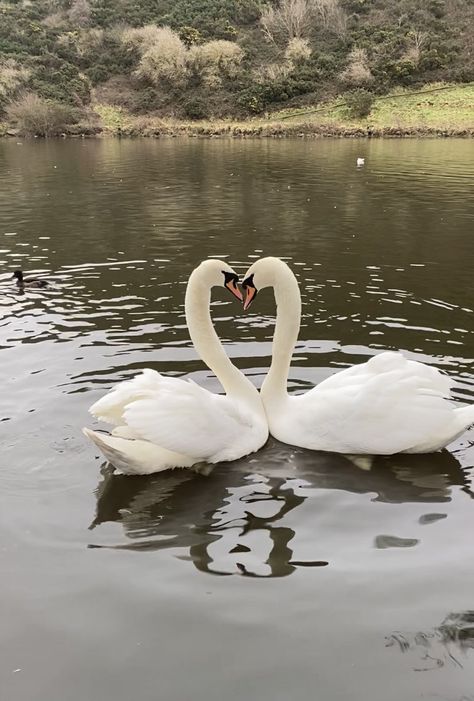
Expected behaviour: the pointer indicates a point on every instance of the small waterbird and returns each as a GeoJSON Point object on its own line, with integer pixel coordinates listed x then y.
{"type": "Point", "coordinates": [32, 282]}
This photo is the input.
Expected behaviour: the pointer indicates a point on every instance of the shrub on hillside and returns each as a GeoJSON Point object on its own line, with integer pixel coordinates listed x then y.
{"type": "Point", "coordinates": [289, 20]}
{"type": "Point", "coordinates": [58, 80]}
{"type": "Point", "coordinates": [215, 19]}
{"type": "Point", "coordinates": [163, 55]}
{"type": "Point", "coordinates": [144, 38]}
{"type": "Point", "coordinates": [357, 71]}
{"type": "Point", "coordinates": [190, 35]}
{"type": "Point", "coordinates": [292, 19]}
{"type": "Point", "coordinates": [196, 108]}
{"type": "Point", "coordinates": [79, 13]}
{"type": "Point", "coordinates": [12, 76]}
{"type": "Point", "coordinates": [34, 116]}
{"type": "Point", "coordinates": [359, 103]}
{"type": "Point", "coordinates": [297, 51]}
{"type": "Point", "coordinates": [215, 60]}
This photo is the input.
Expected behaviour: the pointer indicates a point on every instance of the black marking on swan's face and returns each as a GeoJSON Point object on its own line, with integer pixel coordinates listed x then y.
{"type": "Point", "coordinates": [231, 281]}
{"type": "Point", "coordinates": [250, 291]}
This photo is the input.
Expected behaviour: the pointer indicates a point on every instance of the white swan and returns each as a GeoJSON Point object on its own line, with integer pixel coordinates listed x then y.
{"type": "Point", "coordinates": [384, 406]}
{"type": "Point", "coordinates": [165, 422]}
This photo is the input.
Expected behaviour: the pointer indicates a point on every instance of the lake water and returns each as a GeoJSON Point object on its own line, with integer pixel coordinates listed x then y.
{"type": "Point", "coordinates": [289, 574]}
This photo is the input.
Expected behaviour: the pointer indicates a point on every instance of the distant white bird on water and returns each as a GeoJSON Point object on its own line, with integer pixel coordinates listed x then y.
{"type": "Point", "coordinates": [360, 162]}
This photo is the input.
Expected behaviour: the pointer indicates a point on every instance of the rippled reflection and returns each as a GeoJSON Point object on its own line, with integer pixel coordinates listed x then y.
{"type": "Point", "coordinates": [232, 521]}
{"type": "Point", "coordinates": [446, 644]}
{"type": "Point", "coordinates": [384, 257]}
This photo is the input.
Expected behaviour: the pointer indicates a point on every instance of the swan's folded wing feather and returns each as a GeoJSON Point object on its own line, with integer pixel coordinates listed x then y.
{"type": "Point", "coordinates": [110, 408]}
{"type": "Point", "coordinates": [191, 421]}
{"type": "Point", "coordinates": [389, 365]}
{"type": "Point", "coordinates": [386, 413]}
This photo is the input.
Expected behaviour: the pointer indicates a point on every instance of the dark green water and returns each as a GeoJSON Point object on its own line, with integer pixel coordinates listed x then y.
{"type": "Point", "coordinates": [180, 586]}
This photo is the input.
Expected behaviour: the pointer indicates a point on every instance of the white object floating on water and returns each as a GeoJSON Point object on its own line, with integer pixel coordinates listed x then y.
{"type": "Point", "coordinates": [360, 161]}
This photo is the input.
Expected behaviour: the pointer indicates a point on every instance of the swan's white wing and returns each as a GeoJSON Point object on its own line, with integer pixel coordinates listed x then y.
{"type": "Point", "coordinates": [189, 420]}
{"type": "Point", "coordinates": [387, 405]}
{"type": "Point", "coordinates": [389, 362]}
{"type": "Point", "coordinates": [111, 406]}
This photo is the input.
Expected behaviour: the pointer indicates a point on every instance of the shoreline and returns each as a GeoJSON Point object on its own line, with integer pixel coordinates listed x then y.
{"type": "Point", "coordinates": [247, 131]}
{"type": "Point", "coordinates": [437, 111]}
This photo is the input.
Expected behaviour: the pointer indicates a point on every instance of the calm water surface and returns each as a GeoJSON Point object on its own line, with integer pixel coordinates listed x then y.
{"type": "Point", "coordinates": [289, 574]}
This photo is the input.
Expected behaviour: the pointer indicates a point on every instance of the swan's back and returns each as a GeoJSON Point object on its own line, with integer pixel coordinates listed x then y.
{"type": "Point", "coordinates": [384, 406]}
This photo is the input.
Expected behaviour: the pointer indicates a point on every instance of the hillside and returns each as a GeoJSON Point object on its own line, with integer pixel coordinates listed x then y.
{"type": "Point", "coordinates": [214, 59]}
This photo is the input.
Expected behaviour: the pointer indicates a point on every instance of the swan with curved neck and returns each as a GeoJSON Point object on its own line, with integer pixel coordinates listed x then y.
{"type": "Point", "coordinates": [384, 406]}
{"type": "Point", "coordinates": [164, 422]}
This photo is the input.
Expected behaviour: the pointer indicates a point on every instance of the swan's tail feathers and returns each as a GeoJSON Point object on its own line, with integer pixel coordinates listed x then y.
{"type": "Point", "coordinates": [466, 415]}
{"type": "Point", "coordinates": [135, 456]}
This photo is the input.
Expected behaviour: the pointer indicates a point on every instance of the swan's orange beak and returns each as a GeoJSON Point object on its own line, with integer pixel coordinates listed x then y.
{"type": "Point", "coordinates": [233, 287]}
{"type": "Point", "coordinates": [250, 293]}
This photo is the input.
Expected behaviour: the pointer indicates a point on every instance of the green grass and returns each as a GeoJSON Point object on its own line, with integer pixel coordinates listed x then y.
{"type": "Point", "coordinates": [451, 107]}
{"type": "Point", "coordinates": [436, 108]}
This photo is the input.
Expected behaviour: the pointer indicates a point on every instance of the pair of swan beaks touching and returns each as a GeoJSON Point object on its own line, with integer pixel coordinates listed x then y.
{"type": "Point", "coordinates": [384, 406]}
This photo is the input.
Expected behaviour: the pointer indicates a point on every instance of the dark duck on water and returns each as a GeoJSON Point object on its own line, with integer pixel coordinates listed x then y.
{"type": "Point", "coordinates": [28, 282]}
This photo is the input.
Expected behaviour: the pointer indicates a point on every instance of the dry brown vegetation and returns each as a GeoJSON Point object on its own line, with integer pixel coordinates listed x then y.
{"type": "Point", "coordinates": [33, 116]}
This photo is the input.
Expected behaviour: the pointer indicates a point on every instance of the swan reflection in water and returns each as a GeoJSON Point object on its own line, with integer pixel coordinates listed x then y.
{"type": "Point", "coordinates": [441, 645]}
{"type": "Point", "coordinates": [232, 521]}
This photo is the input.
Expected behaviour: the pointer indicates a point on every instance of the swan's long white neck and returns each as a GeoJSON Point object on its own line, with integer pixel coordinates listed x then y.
{"type": "Point", "coordinates": [207, 343]}
{"type": "Point", "coordinates": [288, 316]}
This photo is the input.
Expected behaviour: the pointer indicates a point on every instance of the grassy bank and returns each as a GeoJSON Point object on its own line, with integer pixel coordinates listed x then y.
{"type": "Point", "coordinates": [436, 110]}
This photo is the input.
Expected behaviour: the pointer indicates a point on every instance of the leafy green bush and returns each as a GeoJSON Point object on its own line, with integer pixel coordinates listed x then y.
{"type": "Point", "coordinates": [190, 35]}
{"type": "Point", "coordinates": [196, 108]}
{"type": "Point", "coordinates": [359, 103]}
{"type": "Point", "coordinates": [253, 99]}
{"type": "Point", "coordinates": [216, 19]}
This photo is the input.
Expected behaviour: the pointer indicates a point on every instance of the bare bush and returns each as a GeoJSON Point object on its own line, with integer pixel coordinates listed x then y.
{"type": "Point", "coordinates": [272, 72]}
{"type": "Point", "coordinates": [34, 116]}
{"type": "Point", "coordinates": [80, 13]}
{"type": "Point", "coordinates": [417, 41]}
{"type": "Point", "coordinates": [357, 71]}
{"type": "Point", "coordinates": [144, 38]}
{"type": "Point", "coordinates": [84, 42]}
{"type": "Point", "coordinates": [331, 16]}
{"type": "Point", "coordinates": [89, 40]}
{"type": "Point", "coordinates": [295, 19]}
{"type": "Point", "coordinates": [12, 77]}
{"type": "Point", "coordinates": [55, 20]}
{"type": "Point", "coordinates": [163, 56]}
{"type": "Point", "coordinates": [292, 18]}
{"type": "Point", "coordinates": [214, 60]}
{"type": "Point", "coordinates": [297, 51]}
